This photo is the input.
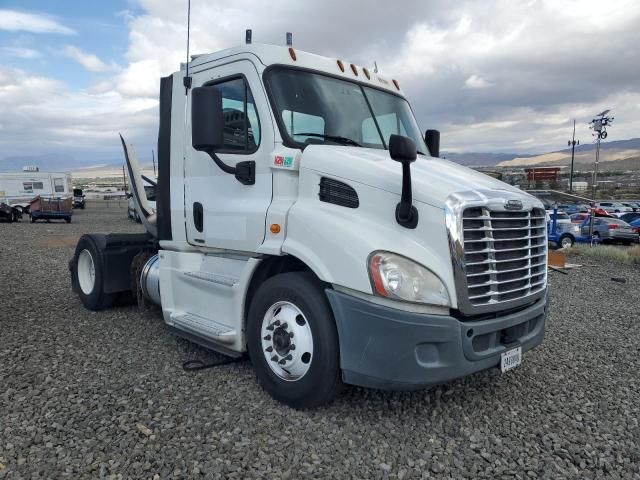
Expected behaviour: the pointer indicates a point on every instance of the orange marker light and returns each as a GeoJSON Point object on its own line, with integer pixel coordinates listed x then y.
{"type": "Point", "coordinates": [366, 73]}
{"type": "Point", "coordinates": [340, 65]}
{"type": "Point", "coordinates": [354, 69]}
{"type": "Point", "coordinates": [292, 52]}
{"type": "Point", "coordinates": [395, 82]}
{"type": "Point", "coordinates": [275, 228]}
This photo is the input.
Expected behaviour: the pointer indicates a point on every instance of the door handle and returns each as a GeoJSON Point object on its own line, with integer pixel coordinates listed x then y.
{"type": "Point", "coordinates": [198, 216]}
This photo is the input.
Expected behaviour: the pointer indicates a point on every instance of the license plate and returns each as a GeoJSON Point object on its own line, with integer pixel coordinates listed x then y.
{"type": "Point", "coordinates": [511, 359]}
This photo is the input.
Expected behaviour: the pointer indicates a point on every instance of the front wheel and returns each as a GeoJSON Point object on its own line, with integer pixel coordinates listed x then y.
{"type": "Point", "coordinates": [293, 342]}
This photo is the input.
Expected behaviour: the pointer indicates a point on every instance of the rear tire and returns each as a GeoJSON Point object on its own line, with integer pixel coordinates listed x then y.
{"type": "Point", "coordinates": [294, 303]}
{"type": "Point", "coordinates": [87, 275]}
{"type": "Point", "coordinates": [566, 241]}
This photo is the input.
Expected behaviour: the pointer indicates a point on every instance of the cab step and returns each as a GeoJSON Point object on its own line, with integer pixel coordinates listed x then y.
{"type": "Point", "coordinates": [207, 327]}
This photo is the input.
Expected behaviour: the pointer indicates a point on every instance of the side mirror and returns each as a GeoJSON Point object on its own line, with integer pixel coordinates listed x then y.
{"type": "Point", "coordinates": [206, 119]}
{"type": "Point", "coordinates": [432, 139]}
{"type": "Point", "coordinates": [402, 149]}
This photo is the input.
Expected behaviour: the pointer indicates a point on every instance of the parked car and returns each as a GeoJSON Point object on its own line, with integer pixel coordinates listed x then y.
{"type": "Point", "coordinates": [150, 191]}
{"type": "Point", "coordinates": [573, 208]}
{"type": "Point", "coordinates": [563, 217]}
{"type": "Point", "coordinates": [611, 230]}
{"type": "Point", "coordinates": [579, 217]}
{"type": "Point", "coordinates": [629, 216]}
{"type": "Point", "coordinates": [614, 207]}
{"type": "Point", "coordinates": [78, 198]}
{"type": "Point", "coordinates": [635, 224]}
{"type": "Point", "coordinates": [630, 205]}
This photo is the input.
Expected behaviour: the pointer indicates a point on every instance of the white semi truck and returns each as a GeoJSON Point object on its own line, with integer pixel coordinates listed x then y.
{"type": "Point", "coordinates": [303, 219]}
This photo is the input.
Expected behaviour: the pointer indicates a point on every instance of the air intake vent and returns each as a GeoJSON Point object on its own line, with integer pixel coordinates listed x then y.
{"type": "Point", "coordinates": [339, 193]}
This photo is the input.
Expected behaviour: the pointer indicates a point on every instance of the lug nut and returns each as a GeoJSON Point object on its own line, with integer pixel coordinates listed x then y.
{"type": "Point", "coordinates": [292, 347]}
{"type": "Point", "coordinates": [276, 323]}
{"type": "Point", "coordinates": [290, 334]}
{"type": "Point", "coordinates": [284, 325]}
{"type": "Point", "coordinates": [282, 362]}
{"type": "Point", "coordinates": [288, 357]}
{"type": "Point", "coordinates": [269, 349]}
{"type": "Point", "coordinates": [268, 337]}
{"type": "Point", "coordinates": [270, 327]}
{"type": "Point", "coordinates": [274, 358]}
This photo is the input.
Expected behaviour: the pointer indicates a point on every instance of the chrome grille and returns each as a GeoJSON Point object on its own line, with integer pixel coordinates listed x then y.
{"type": "Point", "coordinates": [504, 254]}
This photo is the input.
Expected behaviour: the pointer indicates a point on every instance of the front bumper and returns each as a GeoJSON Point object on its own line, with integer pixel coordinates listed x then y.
{"type": "Point", "coordinates": [386, 348]}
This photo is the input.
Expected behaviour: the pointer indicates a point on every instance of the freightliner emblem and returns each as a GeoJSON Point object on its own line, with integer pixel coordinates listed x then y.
{"type": "Point", "coordinates": [513, 205]}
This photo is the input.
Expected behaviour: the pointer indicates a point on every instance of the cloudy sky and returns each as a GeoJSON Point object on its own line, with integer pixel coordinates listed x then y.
{"type": "Point", "coordinates": [499, 76]}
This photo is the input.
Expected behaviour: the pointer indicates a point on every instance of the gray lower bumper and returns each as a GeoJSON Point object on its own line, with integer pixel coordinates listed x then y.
{"type": "Point", "coordinates": [382, 347]}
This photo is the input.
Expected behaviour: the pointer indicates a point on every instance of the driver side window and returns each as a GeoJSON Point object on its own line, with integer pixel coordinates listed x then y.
{"type": "Point", "coordinates": [241, 131]}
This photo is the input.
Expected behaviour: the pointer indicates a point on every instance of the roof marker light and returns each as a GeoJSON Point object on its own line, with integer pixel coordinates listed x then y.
{"type": "Point", "coordinates": [366, 73]}
{"type": "Point", "coordinates": [340, 65]}
{"type": "Point", "coordinates": [354, 69]}
{"type": "Point", "coordinates": [395, 82]}
{"type": "Point", "coordinates": [292, 52]}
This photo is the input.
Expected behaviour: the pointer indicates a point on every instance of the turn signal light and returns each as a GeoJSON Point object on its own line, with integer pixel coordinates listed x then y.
{"type": "Point", "coordinates": [275, 228]}
{"type": "Point", "coordinates": [292, 52]}
{"type": "Point", "coordinates": [366, 73]}
{"type": "Point", "coordinates": [354, 69]}
{"type": "Point", "coordinates": [340, 65]}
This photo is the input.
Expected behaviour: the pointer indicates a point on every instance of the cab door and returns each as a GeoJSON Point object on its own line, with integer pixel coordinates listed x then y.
{"type": "Point", "coordinates": [220, 211]}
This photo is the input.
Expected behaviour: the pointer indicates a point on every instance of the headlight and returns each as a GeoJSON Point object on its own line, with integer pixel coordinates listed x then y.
{"type": "Point", "coordinates": [397, 277]}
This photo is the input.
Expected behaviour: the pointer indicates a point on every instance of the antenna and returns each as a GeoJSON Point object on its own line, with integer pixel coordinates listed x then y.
{"type": "Point", "coordinates": [186, 81]}
{"type": "Point", "coordinates": [375, 67]}
{"type": "Point", "coordinates": [247, 36]}
{"type": "Point", "coordinates": [289, 39]}
{"type": "Point", "coordinates": [153, 159]}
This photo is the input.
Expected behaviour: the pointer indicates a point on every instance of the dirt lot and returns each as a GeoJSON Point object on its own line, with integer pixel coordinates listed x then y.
{"type": "Point", "coordinates": [103, 395]}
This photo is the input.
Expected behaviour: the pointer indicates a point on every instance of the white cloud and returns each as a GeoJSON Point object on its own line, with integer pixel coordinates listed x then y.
{"type": "Point", "coordinates": [15, 21]}
{"type": "Point", "coordinates": [474, 81]}
{"type": "Point", "coordinates": [20, 52]}
{"type": "Point", "coordinates": [89, 61]}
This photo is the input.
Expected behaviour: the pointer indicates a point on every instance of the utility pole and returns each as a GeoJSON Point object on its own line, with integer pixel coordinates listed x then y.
{"type": "Point", "coordinates": [572, 143]}
{"type": "Point", "coordinates": [599, 126]}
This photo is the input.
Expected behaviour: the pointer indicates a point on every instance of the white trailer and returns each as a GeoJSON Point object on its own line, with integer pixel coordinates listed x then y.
{"type": "Point", "coordinates": [303, 218]}
{"type": "Point", "coordinates": [17, 188]}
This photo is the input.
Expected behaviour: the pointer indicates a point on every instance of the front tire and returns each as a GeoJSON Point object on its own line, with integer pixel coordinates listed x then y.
{"type": "Point", "coordinates": [293, 341]}
{"type": "Point", "coordinates": [87, 275]}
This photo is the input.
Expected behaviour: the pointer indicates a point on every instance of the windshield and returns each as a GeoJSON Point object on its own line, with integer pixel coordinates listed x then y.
{"type": "Point", "coordinates": [312, 108]}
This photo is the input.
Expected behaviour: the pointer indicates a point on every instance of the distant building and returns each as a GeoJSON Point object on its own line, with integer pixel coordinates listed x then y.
{"type": "Point", "coordinates": [579, 186]}
{"type": "Point", "coordinates": [547, 174]}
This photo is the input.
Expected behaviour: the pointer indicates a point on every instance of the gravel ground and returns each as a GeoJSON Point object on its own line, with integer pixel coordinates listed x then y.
{"type": "Point", "coordinates": [103, 395]}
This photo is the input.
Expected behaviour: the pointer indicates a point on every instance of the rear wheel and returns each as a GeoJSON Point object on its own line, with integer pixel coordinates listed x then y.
{"type": "Point", "coordinates": [87, 275]}
{"type": "Point", "coordinates": [293, 342]}
{"type": "Point", "coordinates": [566, 241]}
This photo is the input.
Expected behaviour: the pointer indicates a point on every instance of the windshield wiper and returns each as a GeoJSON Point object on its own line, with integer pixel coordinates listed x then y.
{"type": "Point", "coordinates": [332, 138]}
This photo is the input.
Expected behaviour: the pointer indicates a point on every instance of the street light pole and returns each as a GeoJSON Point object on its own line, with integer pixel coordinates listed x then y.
{"type": "Point", "coordinates": [573, 144]}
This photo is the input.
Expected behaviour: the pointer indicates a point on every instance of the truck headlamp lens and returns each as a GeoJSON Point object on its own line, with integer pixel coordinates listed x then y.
{"type": "Point", "coordinates": [399, 278]}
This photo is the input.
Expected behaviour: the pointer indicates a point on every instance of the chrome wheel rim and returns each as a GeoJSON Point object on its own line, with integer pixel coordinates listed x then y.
{"type": "Point", "coordinates": [287, 342]}
{"type": "Point", "coordinates": [566, 242]}
{"type": "Point", "coordinates": [86, 272]}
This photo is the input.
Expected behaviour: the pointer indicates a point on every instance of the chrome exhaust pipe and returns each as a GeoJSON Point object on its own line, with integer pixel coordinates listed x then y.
{"type": "Point", "coordinates": [150, 280]}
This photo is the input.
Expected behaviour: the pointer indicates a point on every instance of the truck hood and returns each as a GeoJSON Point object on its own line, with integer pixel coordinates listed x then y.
{"type": "Point", "coordinates": [433, 179]}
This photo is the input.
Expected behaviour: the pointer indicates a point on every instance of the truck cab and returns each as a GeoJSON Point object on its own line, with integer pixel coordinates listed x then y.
{"type": "Point", "coordinates": [302, 218]}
